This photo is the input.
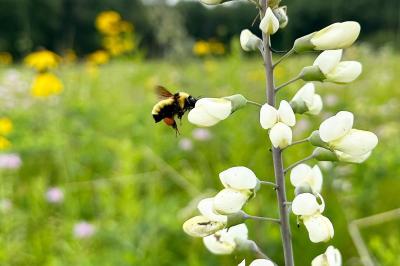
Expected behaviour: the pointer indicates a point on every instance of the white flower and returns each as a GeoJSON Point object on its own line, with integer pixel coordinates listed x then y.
{"type": "Point", "coordinates": [331, 257]}
{"type": "Point", "coordinates": [336, 36]}
{"type": "Point", "coordinates": [269, 116]}
{"type": "Point", "coordinates": [226, 241]}
{"type": "Point", "coordinates": [320, 228]}
{"type": "Point", "coordinates": [229, 201]}
{"type": "Point", "coordinates": [280, 135]}
{"type": "Point", "coordinates": [269, 24]}
{"type": "Point", "coordinates": [279, 121]}
{"type": "Point", "coordinates": [209, 111]}
{"type": "Point", "coordinates": [336, 71]}
{"type": "Point", "coordinates": [307, 99]}
{"type": "Point", "coordinates": [350, 145]}
{"type": "Point", "coordinates": [281, 14]}
{"type": "Point", "coordinates": [304, 174]}
{"type": "Point", "coordinates": [307, 204]}
{"type": "Point", "coordinates": [239, 178]}
{"type": "Point", "coordinates": [249, 41]}
{"type": "Point", "coordinates": [201, 226]}
{"type": "Point", "coordinates": [206, 208]}
{"type": "Point", "coordinates": [258, 262]}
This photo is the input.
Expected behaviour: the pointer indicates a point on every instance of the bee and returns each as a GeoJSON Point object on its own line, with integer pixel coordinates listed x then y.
{"type": "Point", "coordinates": [172, 105]}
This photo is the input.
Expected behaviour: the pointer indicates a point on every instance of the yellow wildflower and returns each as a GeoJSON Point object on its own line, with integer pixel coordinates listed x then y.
{"type": "Point", "coordinates": [118, 45]}
{"type": "Point", "coordinates": [217, 48]}
{"type": "Point", "coordinates": [126, 26]}
{"type": "Point", "coordinates": [201, 48]}
{"type": "Point", "coordinates": [42, 60]}
{"type": "Point", "coordinates": [5, 58]}
{"type": "Point", "coordinates": [108, 22]}
{"type": "Point", "coordinates": [4, 143]}
{"type": "Point", "coordinates": [46, 84]}
{"type": "Point", "coordinates": [99, 57]}
{"type": "Point", "coordinates": [6, 126]}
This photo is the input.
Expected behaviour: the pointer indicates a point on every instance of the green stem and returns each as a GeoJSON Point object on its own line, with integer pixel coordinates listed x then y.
{"type": "Point", "coordinates": [254, 103]}
{"type": "Point", "coordinates": [267, 183]}
{"type": "Point", "coordinates": [260, 218]}
{"type": "Point", "coordinates": [299, 162]}
{"type": "Point", "coordinates": [291, 51]}
{"type": "Point", "coordinates": [288, 83]}
{"type": "Point", "coordinates": [297, 142]}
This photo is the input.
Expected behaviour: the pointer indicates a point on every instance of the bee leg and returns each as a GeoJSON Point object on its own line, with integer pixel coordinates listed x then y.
{"type": "Point", "coordinates": [174, 126]}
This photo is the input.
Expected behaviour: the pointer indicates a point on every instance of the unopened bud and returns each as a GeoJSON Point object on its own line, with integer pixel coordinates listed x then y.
{"type": "Point", "coordinates": [281, 14]}
{"type": "Point", "coordinates": [201, 226]}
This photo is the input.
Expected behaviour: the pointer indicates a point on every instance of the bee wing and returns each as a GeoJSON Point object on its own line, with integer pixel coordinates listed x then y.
{"type": "Point", "coordinates": [163, 92]}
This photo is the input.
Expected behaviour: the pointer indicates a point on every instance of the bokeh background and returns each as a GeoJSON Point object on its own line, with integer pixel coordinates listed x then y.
{"type": "Point", "coordinates": [86, 176]}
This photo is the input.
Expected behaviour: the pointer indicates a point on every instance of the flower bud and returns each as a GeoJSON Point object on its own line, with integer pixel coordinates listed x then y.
{"type": "Point", "coordinates": [206, 208]}
{"type": "Point", "coordinates": [269, 24]}
{"type": "Point", "coordinates": [201, 226]}
{"type": "Point", "coordinates": [229, 201]}
{"type": "Point", "coordinates": [281, 14]}
{"type": "Point", "coordinates": [306, 101]}
{"type": "Point", "coordinates": [280, 135]}
{"type": "Point", "coordinates": [249, 41]}
{"type": "Point", "coordinates": [209, 111]}
{"type": "Point", "coordinates": [335, 36]}
{"type": "Point", "coordinates": [331, 257]}
{"type": "Point", "coordinates": [336, 126]}
{"type": "Point", "coordinates": [306, 204]}
{"type": "Point", "coordinates": [239, 178]}
{"type": "Point", "coordinates": [320, 228]}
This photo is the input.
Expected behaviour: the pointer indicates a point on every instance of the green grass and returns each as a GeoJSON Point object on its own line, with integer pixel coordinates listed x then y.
{"type": "Point", "coordinates": [128, 176]}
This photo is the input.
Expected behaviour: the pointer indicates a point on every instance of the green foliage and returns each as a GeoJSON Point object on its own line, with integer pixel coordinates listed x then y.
{"type": "Point", "coordinates": [128, 176]}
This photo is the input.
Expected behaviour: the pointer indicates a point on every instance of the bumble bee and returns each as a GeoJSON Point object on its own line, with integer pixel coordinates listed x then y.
{"type": "Point", "coordinates": [171, 105]}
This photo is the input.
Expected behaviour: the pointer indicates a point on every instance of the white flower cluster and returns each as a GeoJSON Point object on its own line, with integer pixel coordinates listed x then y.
{"type": "Point", "coordinates": [224, 210]}
{"type": "Point", "coordinates": [308, 183]}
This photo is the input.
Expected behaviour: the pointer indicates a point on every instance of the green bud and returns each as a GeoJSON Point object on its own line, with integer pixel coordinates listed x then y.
{"type": "Point", "coordinates": [237, 100]}
{"type": "Point", "coordinates": [322, 154]}
{"type": "Point", "coordinates": [303, 44]}
{"type": "Point", "coordinates": [316, 140]}
{"type": "Point", "coordinates": [312, 73]}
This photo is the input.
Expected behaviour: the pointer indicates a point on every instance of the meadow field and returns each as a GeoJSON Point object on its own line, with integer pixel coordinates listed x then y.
{"type": "Point", "coordinates": [99, 183]}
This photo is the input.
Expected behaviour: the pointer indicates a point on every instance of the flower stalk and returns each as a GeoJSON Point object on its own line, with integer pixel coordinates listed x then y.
{"type": "Point", "coordinates": [276, 152]}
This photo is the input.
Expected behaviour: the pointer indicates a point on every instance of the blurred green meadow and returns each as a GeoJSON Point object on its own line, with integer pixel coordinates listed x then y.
{"type": "Point", "coordinates": [133, 182]}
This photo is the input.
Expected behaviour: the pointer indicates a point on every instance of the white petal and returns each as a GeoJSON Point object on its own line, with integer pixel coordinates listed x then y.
{"type": "Point", "coordinates": [316, 179]}
{"type": "Point", "coordinates": [300, 174]}
{"type": "Point", "coordinates": [280, 135]}
{"type": "Point", "coordinates": [320, 260]}
{"type": "Point", "coordinates": [206, 208]}
{"type": "Point", "coordinates": [356, 142]}
{"type": "Point", "coordinates": [336, 126]}
{"type": "Point", "coordinates": [334, 258]}
{"type": "Point", "coordinates": [286, 114]}
{"type": "Point", "coordinates": [328, 60]}
{"type": "Point", "coordinates": [347, 158]}
{"type": "Point", "coordinates": [249, 41]}
{"type": "Point", "coordinates": [262, 262]}
{"type": "Point", "coordinates": [238, 177]}
{"type": "Point", "coordinates": [268, 116]}
{"type": "Point", "coordinates": [305, 94]}
{"type": "Point", "coordinates": [269, 24]}
{"type": "Point", "coordinates": [345, 72]}
{"type": "Point", "coordinates": [238, 232]}
{"type": "Point", "coordinates": [220, 243]}
{"type": "Point", "coordinates": [336, 36]}
{"type": "Point", "coordinates": [220, 108]}
{"type": "Point", "coordinates": [200, 117]}
{"type": "Point", "coordinates": [243, 263]}
{"type": "Point", "coordinates": [320, 228]}
{"type": "Point", "coordinates": [306, 204]}
{"type": "Point", "coordinates": [201, 226]}
{"type": "Point", "coordinates": [316, 106]}
{"type": "Point", "coordinates": [229, 201]}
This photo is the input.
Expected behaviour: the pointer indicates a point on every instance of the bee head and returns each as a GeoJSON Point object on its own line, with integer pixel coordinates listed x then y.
{"type": "Point", "coordinates": [191, 101]}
